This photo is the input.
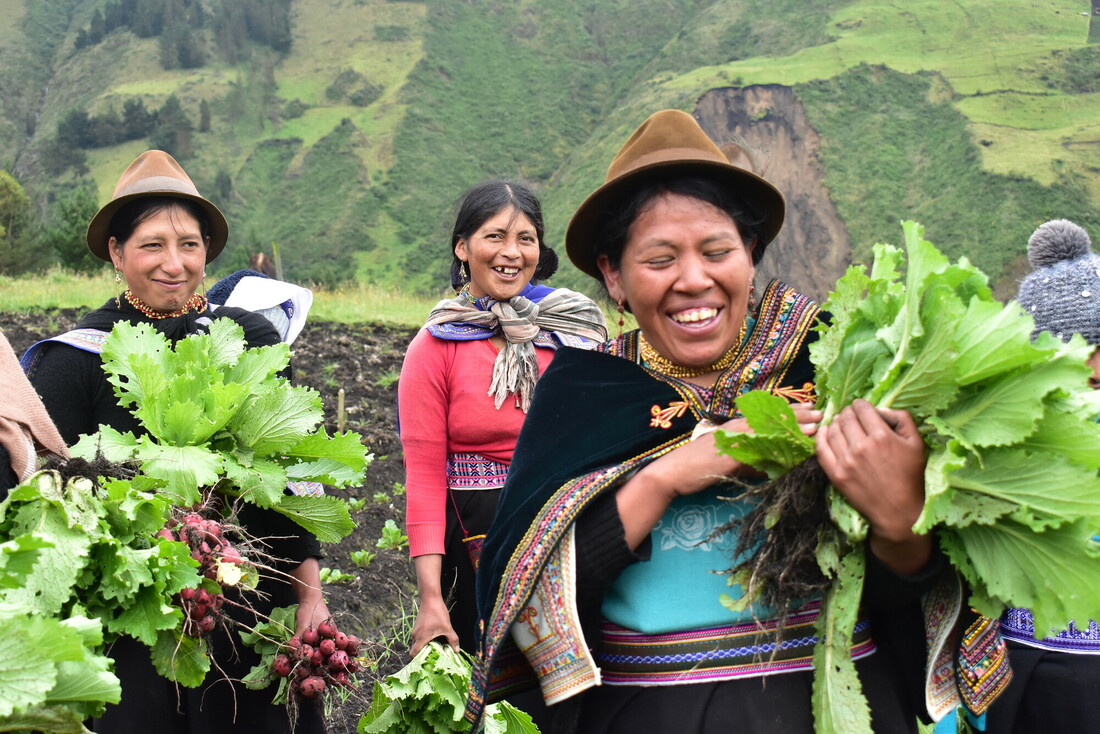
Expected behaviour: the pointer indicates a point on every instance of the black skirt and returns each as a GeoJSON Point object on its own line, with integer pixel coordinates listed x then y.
{"type": "Point", "coordinates": [1050, 692]}
{"type": "Point", "coordinates": [476, 508]}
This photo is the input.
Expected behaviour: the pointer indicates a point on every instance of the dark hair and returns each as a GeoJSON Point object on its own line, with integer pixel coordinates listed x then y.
{"type": "Point", "coordinates": [133, 213]}
{"type": "Point", "coordinates": [482, 202]}
{"type": "Point", "coordinates": [614, 228]}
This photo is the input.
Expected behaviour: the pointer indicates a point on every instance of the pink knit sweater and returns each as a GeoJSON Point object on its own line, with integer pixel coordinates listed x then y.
{"type": "Point", "coordinates": [444, 407]}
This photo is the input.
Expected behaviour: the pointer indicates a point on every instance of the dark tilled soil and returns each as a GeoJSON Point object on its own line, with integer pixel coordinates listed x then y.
{"type": "Point", "coordinates": [364, 361]}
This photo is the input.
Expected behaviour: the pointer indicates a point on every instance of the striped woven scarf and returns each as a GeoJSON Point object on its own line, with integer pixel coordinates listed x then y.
{"type": "Point", "coordinates": [519, 321]}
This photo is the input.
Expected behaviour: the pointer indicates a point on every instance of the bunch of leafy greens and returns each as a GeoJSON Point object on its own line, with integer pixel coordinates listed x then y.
{"type": "Point", "coordinates": [428, 696]}
{"type": "Point", "coordinates": [1011, 484]}
{"type": "Point", "coordinates": [218, 415]}
{"type": "Point", "coordinates": [269, 639]}
{"type": "Point", "coordinates": [81, 561]}
{"type": "Point", "coordinates": [78, 564]}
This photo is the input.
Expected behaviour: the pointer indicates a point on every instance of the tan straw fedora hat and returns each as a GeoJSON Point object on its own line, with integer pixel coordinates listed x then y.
{"type": "Point", "coordinates": [670, 141]}
{"type": "Point", "coordinates": [154, 173]}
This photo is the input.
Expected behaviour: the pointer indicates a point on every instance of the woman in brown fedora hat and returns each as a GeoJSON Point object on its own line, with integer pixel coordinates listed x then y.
{"type": "Point", "coordinates": [159, 233]}
{"type": "Point", "coordinates": [601, 576]}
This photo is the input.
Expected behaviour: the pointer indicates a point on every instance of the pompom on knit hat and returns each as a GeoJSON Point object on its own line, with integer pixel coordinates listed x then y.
{"type": "Point", "coordinates": [1062, 292]}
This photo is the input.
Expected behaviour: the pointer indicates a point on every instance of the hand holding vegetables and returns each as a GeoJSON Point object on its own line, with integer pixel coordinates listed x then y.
{"type": "Point", "coordinates": [1010, 483]}
{"type": "Point", "coordinates": [876, 460]}
{"type": "Point", "coordinates": [686, 470]}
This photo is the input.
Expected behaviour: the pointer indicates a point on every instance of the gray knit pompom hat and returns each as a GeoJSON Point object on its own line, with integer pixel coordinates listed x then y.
{"type": "Point", "coordinates": [1062, 292]}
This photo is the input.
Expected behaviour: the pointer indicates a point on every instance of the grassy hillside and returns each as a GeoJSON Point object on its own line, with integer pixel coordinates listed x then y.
{"type": "Point", "coordinates": [979, 117]}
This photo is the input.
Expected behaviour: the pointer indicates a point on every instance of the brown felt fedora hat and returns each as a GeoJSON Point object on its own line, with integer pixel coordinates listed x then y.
{"type": "Point", "coordinates": [670, 141]}
{"type": "Point", "coordinates": [154, 173]}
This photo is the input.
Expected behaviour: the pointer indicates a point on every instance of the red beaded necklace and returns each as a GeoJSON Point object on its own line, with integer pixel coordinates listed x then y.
{"type": "Point", "coordinates": [195, 304]}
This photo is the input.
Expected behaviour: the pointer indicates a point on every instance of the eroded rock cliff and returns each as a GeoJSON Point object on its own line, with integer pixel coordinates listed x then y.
{"type": "Point", "coordinates": [813, 249]}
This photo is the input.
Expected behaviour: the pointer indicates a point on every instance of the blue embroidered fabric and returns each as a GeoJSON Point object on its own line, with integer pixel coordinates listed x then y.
{"type": "Point", "coordinates": [1018, 625]}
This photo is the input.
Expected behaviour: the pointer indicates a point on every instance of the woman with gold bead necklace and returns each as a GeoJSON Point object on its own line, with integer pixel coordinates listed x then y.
{"type": "Point", "coordinates": [602, 568]}
{"type": "Point", "coordinates": [159, 233]}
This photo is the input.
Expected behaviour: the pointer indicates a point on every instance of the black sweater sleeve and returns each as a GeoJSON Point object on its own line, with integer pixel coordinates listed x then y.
{"type": "Point", "coordinates": [602, 554]}
{"type": "Point", "coordinates": [75, 391]}
{"type": "Point", "coordinates": [8, 480]}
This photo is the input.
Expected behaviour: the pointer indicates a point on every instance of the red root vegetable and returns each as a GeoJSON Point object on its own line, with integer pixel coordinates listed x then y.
{"type": "Point", "coordinates": [312, 687]}
{"type": "Point", "coordinates": [327, 628]}
{"type": "Point", "coordinates": [283, 666]}
{"type": "Point", "coordinates": [338, 660]}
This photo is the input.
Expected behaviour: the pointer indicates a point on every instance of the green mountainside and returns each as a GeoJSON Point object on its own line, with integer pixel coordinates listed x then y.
{"type": "Point", "coordinates": [344, 130]}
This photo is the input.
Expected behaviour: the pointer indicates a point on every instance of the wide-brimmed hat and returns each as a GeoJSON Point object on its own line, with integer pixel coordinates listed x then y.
{"type": "Point", "coordinates": [670, 141]}
{"type": "Point", "coordinates": [154, 173]}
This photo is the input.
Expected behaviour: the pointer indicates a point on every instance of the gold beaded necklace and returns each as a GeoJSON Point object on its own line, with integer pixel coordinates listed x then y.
{"type": "Point", "coordinates": [194, 304]}
{"type": "Point", "coordinates": [659, 363]}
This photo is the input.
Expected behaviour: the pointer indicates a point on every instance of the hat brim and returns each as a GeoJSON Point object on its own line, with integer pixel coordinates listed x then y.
{"type": "Point", "coordinates": [97, 236]}
{"type": "Point", "coordinates": [580, 235]}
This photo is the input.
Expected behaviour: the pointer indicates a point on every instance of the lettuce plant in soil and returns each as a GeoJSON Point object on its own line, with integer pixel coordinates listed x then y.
{"type": "Point", "coordinates": [1011, 485]}
{"type": "Point", "coordinates": [136, 535]}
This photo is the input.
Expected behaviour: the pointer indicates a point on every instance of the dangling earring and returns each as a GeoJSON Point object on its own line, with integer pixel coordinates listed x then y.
{"type": "Point", "coordinates": [118, 288]}
{"type": "Point", "coordinates": [752, 298]}
{"type": "Point", "coordinates": [621, 319]}
{"type": "Point", "coordinates": [204, 284]}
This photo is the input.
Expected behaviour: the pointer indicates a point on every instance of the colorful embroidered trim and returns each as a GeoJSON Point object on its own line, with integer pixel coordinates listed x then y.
{"type": "Point", "coordinates": [781, 328]}
{"type": "Point", "coordinates": [719, 653]}
{"type": "Point", "coordinates": [982, 667]}
{"type": "Point", "coordinates": [804, 394]}
{"type": "Point", "coordinates": [1019, 626]}
{"type": "Point", "coordinates": [474, 471]}
{"type": "Point", "coordinates": [562, 662]}
{"type": "Point", "coordinates": [306, 489]}
{"type": "Point", "coordinates": [461, 332]}
{"type": "Point", "coordinates": [662, 417]}
{"type": "Point", "coordinates": [941, 608]}
{"type": "Point", "coordinates": [89, 340]}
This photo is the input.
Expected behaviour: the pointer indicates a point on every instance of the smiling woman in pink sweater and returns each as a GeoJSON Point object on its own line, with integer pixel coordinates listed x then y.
{"type": "Point", "coordinates": [465, 387]}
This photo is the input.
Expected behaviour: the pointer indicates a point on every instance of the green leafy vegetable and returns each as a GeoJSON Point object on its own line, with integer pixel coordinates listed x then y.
{"type": "Point", "coordinates": [268, 639]}
{"type": "Point", "coordinates": [215, 410]}
{"type": "Point", "coordinates": [392, 537]}
{"type": "Point", "coordinates": [1011, 481]}
{"type": "Point", "coordinates": [83, 562]}
{"type": "Point", "coordinates": [429, 695]}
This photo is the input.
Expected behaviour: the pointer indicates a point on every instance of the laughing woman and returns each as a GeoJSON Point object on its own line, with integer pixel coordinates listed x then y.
{"type": "Point", "coordinates": [600, 577]}
{"type": "Point", "coordinates": [159, 233]}
{"type": "Point", "coordinates": [465, 388]}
